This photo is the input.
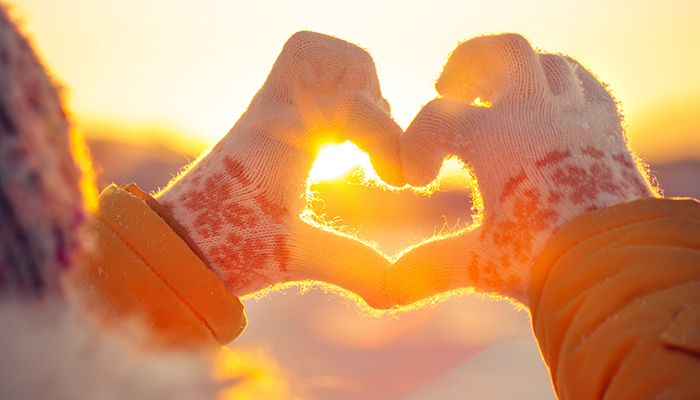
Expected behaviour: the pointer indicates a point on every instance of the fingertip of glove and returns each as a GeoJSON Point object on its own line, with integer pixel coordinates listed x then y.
{"type": "Point", "coordinates": [391, 175]}
{"type": "Point", "coordinates": [380, 303]}
{"type": "Point", "coordinates": [319, 64]}
{"type": "Point", "coordinates": [419, 177]}
{"type": "Point", "coordinates": [419, 171]}
{"type": "Point", "coordinates": [476, 67]}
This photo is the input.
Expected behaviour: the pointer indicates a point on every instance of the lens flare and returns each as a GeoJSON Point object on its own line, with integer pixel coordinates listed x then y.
{"type": "Point", "coordinates": [336, 160]}
{"type": "Point", "coordinates": [249, 374]}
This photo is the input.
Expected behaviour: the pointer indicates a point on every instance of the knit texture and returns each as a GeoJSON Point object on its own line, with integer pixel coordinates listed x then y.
{"type": "Point", "coordinates": [40, 201]}
{"type": "Point", "coordinates": [550, 147]}
{"type": "Point", "coordinates": [241, 202]}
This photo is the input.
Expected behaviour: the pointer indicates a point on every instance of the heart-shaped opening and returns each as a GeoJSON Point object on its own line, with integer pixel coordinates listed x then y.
{"type": "Point", "coordinates": [346, 193]}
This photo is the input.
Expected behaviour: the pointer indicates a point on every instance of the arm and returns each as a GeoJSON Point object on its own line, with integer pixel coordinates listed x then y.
{"type": "Point", "coordinates": [571, 226]}
{"type": "Point", "coordinates": [239, 206]}
{"type": "Point", "coordinates": [615, 302]}
{"type": "Point", "coordinates": [549, 148]}
{"type": "Point", "coordinates": [241, 203]}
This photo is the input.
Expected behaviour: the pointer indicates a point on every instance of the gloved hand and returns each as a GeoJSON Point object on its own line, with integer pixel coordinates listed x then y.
{"type": "Point", "coordinates": [241, 202]}
{"type": "Point", "coordinates": [549, 148]}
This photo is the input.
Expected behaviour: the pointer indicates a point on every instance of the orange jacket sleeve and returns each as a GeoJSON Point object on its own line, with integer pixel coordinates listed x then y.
{"type": "Point", "coordinates": [140, 268]}
{"type": "Point", "coordinates": [615, 303]}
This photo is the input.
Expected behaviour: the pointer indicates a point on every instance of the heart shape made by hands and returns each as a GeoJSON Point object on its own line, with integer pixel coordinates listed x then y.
{"type": "Point", "coordinates": [548, 147]}
{"type": "Point", "coordinates": [240, 203]}
{"type": "Point", "coordinates": [391, 219]}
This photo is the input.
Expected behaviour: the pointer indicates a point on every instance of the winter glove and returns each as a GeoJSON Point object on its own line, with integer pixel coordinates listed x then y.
{"type": "Point", "coordinates": [549, 148]}
{"type": "Point", "coordinates": [241, 203]}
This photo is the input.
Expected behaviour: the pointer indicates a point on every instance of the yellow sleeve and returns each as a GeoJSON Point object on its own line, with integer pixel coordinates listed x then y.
{"type": "Point", "coordinates": [615, 302]}
{"type": "Point", "coordinates": [141, 269]}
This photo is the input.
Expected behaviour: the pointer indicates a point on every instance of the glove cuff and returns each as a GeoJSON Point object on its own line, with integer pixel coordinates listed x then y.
{"type": "Point", "coordinates": [166, 216]}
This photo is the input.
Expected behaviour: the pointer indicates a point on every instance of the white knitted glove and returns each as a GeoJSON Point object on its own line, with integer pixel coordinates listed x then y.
{"type": "Point", "coordinates": [241, 203]}
{"type": "Point", "coordinates": [549, 148]}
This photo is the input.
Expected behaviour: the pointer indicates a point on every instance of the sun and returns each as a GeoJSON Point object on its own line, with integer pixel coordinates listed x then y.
{"type": "Point", "coordinates": [335, 160]}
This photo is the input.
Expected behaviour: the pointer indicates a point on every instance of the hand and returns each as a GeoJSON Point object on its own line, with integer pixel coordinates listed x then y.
{"type": "Point", "coordinates": [241, 202]}
{"type": "Point", "coordinates": [549, 148]}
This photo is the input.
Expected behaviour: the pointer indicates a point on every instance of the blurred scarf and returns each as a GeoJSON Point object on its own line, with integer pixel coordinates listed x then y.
{"type": "Point", "coordinates": [41, 207]}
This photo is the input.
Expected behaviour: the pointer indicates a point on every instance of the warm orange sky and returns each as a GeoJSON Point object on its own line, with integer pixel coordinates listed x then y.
{"type": "Point", "coordinates": [192, 67]}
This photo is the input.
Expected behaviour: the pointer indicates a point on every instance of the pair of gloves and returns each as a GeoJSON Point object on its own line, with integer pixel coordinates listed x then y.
{"type": "Point", "coordinates": [549, 148]}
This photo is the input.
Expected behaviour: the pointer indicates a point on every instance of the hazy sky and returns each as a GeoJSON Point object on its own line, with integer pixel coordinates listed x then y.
{"type": "Point", "coordinates": [192, 66]}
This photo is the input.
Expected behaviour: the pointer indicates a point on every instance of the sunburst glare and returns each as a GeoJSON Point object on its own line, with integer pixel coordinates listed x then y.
{"type": "Point", "coordinates": [335, 160]}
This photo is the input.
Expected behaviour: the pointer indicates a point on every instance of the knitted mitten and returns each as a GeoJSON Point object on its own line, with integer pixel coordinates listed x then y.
{"type": "Point", "coordinates": [549, 148]}
{"type": "Point", "coordinates": [40, 200]}
{"type": "Point", "coordinates": [241, 202]}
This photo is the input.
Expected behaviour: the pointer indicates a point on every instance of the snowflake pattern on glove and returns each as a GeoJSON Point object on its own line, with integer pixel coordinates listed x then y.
{"type": "Point", "coordinates": [542, 198]}
{"type": "Point", "coordinates": [244, 233]}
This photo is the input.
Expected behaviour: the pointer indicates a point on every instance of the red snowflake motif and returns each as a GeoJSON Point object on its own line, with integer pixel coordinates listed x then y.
{"type": "Point", "coordinates": [586, 184]}
{"type": "Point", "coordinates": [245, 254]}
{"type": "Point", "coordinates": [593, 152]}
{"type": "Point", "coordinates": [512, 186]}
{"type": "Point", "coordinates": [529, 217]}
{"type": "Point", "coordinates": [492, 274]}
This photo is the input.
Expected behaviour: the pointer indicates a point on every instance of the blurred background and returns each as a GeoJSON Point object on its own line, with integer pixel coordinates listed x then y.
{"type": "Point", "coordinates": [151, 84]}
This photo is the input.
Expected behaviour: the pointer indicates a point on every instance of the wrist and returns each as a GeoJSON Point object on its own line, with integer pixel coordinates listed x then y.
{"type": "Point", "coordinates": [166, 216]}
{"type": "Point", "coordinates": [225, 211]}
{"type": "Point", "coordinates": [523, 211]}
